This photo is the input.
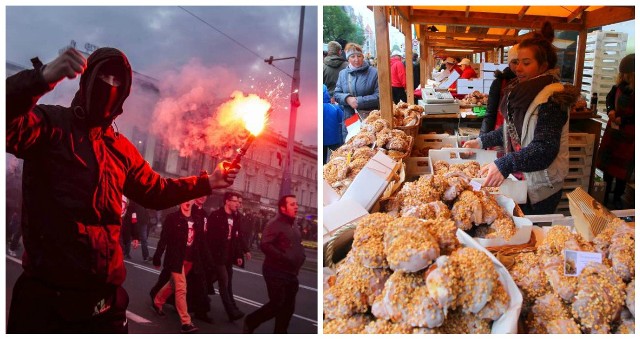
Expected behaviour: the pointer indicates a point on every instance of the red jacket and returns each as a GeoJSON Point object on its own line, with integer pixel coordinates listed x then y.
{"type": "Point", "coordinates": [468, 73]}
{"type": "Point", "coordinates": [398, 73]}
{"type": "Point", "coordinates": [74, 177]}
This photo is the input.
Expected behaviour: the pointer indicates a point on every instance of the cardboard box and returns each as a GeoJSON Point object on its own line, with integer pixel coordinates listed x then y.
{"type": "Point", "coordinates": [372, 180]}
{"type": "Point", "coordinates": [512, 188]}
{"type": "Point", "coordinates": [365, 190]}
{"type": "Point", "coordinates": [487, 70]}
{"type": "Point", "coordinates": [467, 86]}
{"type": "Point", "coordinates": [590, 217]}
{"type": "Point", "coordinates": [338, 214]}
{"type": "Point", "coordinates": [329, 195]}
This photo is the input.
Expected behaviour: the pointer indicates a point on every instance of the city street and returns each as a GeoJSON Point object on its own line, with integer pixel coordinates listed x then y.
{"type": "Point", "coordinates": [248, 286]}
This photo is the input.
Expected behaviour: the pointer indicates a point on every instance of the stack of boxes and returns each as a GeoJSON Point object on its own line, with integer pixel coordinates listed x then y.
{"type": "Point", "coordinates": [580, 161]}
{"type": "Point", "coordinates": [603, 53]}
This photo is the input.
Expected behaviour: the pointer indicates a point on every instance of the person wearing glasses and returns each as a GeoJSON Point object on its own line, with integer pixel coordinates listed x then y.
{"type": "Point", "coordinates": [222, 232]}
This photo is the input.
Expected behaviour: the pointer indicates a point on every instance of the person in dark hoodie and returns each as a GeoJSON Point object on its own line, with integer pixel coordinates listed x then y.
{"type": "Point", "coordinates": [535, 134]}
{"type": "Point", "coordinates": [284, 255]}
{"type": "Point", "coordinates": [494, 118]}
{"type": "Point", "coordinates": [76, 169]}
{"type": "Point", "coordinates": [333, 63]}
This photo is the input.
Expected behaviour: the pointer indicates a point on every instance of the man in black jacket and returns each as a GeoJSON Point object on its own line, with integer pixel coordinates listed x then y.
{"type": "Point", "coordinates": [76, 170]}
{"type": "Point", "coordinates": [223, 235]}
{"type": "Point", "coordinates": [183, 238]}
{"type": "Point", "coordinates": [284, 255]}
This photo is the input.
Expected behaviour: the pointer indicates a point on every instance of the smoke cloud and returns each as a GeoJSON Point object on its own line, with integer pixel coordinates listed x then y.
{"type": "Point", "coordinates": [196, 111]}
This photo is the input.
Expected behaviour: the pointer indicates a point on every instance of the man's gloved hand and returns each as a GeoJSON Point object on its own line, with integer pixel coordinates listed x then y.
{"type": "Point", "coordinates": [224, 175]}
{"type": "Point", "coordinates": [68, 64]}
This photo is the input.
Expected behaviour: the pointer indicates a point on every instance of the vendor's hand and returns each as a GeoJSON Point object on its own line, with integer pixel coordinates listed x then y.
{"type": "Point", "coordinates": [612, 115]}
{"type": "Point", "coordinates": [224, 175]}
{"type": "Point", "coordinates": [493, 176]}
{"type": "Point", "coordinates": [135, 244]}
{"type": "Point", "coordinates": [353, 102]}
{"type": "Point", "coordinates": [471, 144]}
{"type": "Point", "coordinates": [618, 121]}
{"type": "Point", "coordinates": [68, 64]}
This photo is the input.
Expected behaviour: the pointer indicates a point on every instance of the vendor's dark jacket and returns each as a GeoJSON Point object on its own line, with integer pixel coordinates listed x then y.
{"type": "Point", "coordinates": [73, 180]}
{"type": "Point", "coordinates": [224, 250]}
{"type": "Point", "coordinates": [282, 245]}
{"type": "Point", "coordinates": [173, 239]}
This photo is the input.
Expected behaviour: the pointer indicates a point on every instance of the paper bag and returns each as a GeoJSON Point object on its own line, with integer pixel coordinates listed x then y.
{"type": "Point", "coordinates": [590, 217]}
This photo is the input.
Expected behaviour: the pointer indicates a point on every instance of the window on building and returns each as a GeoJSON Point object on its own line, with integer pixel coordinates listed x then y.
{"type": "Point", "coordinates": [184, 163]}
{"type": "Point", "coordinates": [160, 156]}
{"type": "Point", "coordinates": [139, 139]}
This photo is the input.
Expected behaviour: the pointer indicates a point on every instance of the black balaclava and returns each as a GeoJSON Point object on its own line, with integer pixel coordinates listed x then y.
{"type": "Point", "coordinates": [105, 83]}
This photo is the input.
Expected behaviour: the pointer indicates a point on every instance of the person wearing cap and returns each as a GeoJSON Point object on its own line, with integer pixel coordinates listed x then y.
{"type": "Point", "coordinates": [467, 71]}
{"type": "Point", "coordinates": [357, 85]}
{"type": "Point", "coordinates": [76, 170]}
{"type": "Point", "coordinates": [494, 118]}
{"type": "Point", "coordinates": [333, 63]}
{"type": "Point", "coordinates": [398, 77]}
{"type": "Point", "coordinates": [451, 66]}
{"type": "Point", "coordinates": [616, 154]}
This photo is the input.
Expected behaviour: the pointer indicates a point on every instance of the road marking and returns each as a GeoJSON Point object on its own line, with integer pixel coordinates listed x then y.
{"type": "Point", "coordinates": [142, 320]}
{"type": "Point", "coordinates": [234, 268]}
{"type": "Point", "coordinates": [130, 315]}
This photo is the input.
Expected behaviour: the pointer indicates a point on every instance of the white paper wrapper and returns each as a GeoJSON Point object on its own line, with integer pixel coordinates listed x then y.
{"type": "Point", "coordinates": [523, 227]}
{"type": "Point", "coordinates": [508, 322]}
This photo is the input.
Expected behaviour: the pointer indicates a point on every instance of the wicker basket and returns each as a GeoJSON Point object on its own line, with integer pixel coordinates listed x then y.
{"type": "Point", "coordinates": [337, 247]}
{"type": "Point", "coordinates": [411, 131]}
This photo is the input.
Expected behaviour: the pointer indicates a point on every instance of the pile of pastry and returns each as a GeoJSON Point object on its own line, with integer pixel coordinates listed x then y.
{"type": "Point", "coordinates": [601, 299]}
{"type": "Point", "coordinates": [407, 275]}
{"type": "Point", "coordinates": [475, 98]}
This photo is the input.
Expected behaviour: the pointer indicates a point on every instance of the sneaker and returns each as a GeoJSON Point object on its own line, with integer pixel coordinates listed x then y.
{"type": "Point", "coordinates": [12, 253]}
{"type": "Point", "coordinates": [189, 328]}
{"type": "Point", "coordinates": [204, 317]}
{"type": "Point", "coordinates": [155, 308]}
{"type": "Point", "coordinates": [148, 259]}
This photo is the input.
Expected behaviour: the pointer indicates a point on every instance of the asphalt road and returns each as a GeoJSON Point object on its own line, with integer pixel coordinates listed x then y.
{"type": "Point", "coordinates": [248, 285]}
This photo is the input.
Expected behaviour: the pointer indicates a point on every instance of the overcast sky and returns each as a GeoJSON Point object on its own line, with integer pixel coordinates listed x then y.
{"type": "Point", "coordinates": [164, 41]}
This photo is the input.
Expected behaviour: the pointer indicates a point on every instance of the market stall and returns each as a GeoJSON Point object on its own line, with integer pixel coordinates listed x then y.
{"type": "Point", "coordinates": [414, 242]}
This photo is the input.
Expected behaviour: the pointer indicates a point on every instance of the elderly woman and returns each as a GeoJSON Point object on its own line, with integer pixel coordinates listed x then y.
{"type": "Point", "coordinates": [357, 86]}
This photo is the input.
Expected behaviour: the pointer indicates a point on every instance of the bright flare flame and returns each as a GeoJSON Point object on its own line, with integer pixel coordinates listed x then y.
{"type": "Point", "coordinates": [252, 110]}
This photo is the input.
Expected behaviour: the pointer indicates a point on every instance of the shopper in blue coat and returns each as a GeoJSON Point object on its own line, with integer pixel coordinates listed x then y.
{"type": "Point", "coordinates": [332, 117]}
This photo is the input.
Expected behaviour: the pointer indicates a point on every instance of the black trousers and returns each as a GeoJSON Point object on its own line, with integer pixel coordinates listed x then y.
{"type": "Point", "coordinates": [38, 308]}
{"type": "Point", "coordinates": [546, 206]}
{"type": "Point", "coordinates": [220, 272]}
{"type": "Point", "coordinates": [399, 93]}
{"type": "Point", "coordinates": [282, 288]}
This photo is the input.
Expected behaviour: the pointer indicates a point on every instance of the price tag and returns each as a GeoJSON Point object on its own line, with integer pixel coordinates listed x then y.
{"type": "Point", "coordinates": [575, 261]}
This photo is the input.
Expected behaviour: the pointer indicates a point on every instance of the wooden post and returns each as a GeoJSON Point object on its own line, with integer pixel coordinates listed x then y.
{"type": "Point", "coordinates": [581, 46]}
{"type": "Point", "coordinates": [425, 68]}
{"type": "Point", "coordinates": [384, 73]}
{"type": "Point", "coordinates": [408, 46]}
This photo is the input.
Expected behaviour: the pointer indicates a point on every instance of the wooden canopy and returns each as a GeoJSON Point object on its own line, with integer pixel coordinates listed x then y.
{"type": "Point", "coordinates": [477, 29]}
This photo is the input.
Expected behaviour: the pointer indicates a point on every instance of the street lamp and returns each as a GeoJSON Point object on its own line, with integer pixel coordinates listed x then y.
{"type": "Point", "coordinates": [285, 186]}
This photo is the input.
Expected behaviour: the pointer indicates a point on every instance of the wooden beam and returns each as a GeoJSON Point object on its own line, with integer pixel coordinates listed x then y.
{"type": "Point", "coordinates": [425, 58]}
{"type": "Point", "coordinates": [454, 18]}
{"type": "Point", "coordinates": [577, 13]}
{"type": "Point", "coordinates": [380, 17]}
{"type": "Point", "coordinates": [581, 47]}
{"type": "Point", "coordinates": [522, 12]}
{"type": "Point", "coordinates": [608, 15]}
{"type": "Point", "coordinates": [469, 35]}
{"type": "Point", "coordinates": [466, 12]}
{"type": "Point", "coordinates": [408, 47]}
{"type": "Point", "coordinates": [403, 11]}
